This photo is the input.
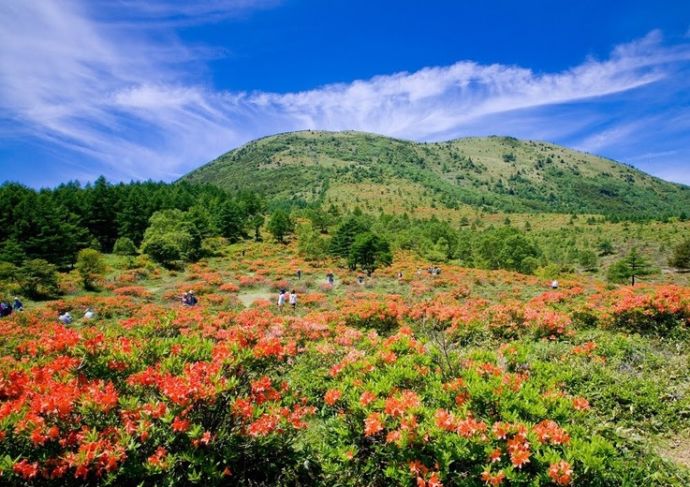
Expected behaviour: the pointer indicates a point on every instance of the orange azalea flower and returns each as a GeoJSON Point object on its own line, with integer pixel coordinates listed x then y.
{"type": "Point", "coordinates": [367, 398]}
{"type": "Point", "coordinates": [393, 436]}
{"type": "Point", "coordinates": [434, 480]}
{"type": "Point", "coordinates": [500, 430]}
{"type": "Point", "coordinates": [158, 458]}
{"type": "Point", "coordinates": [332, 396]}
{"type": "Point", "coordinates": [580, 404]}
{"type": "Point", "coordinates": [493, 479]}
{"type": "Point", "coordinates": [445, 420]}
{"type": "Point", "coordinates": [561, 473]}
{"type": "Point", "coordinates": [373, 424]}
{"type": "Point", "coordinates": [180, 425]}
{"type": "Point", "coordinates": [519, 458]}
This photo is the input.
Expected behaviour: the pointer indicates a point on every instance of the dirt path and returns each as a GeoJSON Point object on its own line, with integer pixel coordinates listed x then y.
{"type": "Point", "coordinates": [247, 298]}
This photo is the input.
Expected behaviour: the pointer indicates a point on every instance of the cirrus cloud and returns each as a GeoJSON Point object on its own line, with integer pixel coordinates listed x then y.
{"type": "Point", "coordinates": [132, 101]}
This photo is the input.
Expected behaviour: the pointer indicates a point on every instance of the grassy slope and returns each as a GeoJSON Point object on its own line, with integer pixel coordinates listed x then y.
{"type": "Point", "coordinates": [499, 173]}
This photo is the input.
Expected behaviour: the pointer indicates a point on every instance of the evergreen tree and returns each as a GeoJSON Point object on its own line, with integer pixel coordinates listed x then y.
{"type": "Point", "coordinates": [102, 210]}
{"type": "Point", "coordinates": [280, 224]}
{"type": "Point", "coordinates": [345, 235]}
{"type": "Point", "coordinates": [229, 220]}
{"type": "Point", "coordinates": [630, 267]}
{"type": "Point", "coordinates": [369, 252]}
{"type": "Point", "coordinates": [38, 279]}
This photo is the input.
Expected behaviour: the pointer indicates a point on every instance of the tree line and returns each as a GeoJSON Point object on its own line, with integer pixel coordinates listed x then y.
{"type": "Point", "coordinates": [54, 224]}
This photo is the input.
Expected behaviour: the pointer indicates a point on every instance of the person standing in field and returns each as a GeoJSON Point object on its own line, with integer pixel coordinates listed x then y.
{"type": "Point", "coordinates": [293, 299]}
{"type": "Point", "coordinates": [299, 274]}
{"type": "Point", "coordinates": [281, 299]}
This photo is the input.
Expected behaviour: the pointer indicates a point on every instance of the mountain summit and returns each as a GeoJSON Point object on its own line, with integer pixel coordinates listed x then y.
{"type": "Point", "coordinates": [501, 173]}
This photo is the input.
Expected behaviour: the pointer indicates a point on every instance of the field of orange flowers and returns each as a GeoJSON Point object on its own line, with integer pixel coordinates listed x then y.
{"type": "Point", "coordinates": [466, 378]}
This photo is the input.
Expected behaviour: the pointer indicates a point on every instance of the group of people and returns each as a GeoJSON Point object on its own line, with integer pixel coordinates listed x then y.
{"type": "Point", "coordinates": [189, 299]}
{"type": "Point", "coordinates": [6, 308]}
{"type": "Point", "coordinates": [434, 271]}
{"type": "Point", "coordinates": [66, 317]}
{"type": "Point", "coordinates": [283, 297]}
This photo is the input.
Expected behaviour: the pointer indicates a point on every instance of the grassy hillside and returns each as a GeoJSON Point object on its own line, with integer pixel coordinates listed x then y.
{"type": "Point", "coordinates": [496, 173]}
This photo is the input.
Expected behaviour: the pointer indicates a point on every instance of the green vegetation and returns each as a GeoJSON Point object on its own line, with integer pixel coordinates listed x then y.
{"type": "Point", "coordinates": [467, 378]}
{"type": "Point", "coordinates": [172, 237]}
{"type": "Point", "coordinates": [681, 255]}
{"type": "Point", "coordinates": [494, 173]}
{"type": "Point", "coordinates": [55, 224]}
{"type": "Point", "coordinates": [280, 224]}
{"type": "Point", "coordinates": [632, 266]}
{"type": "Point", "coordinates": [37, 279]}
{"type": "Point", "coordinates": [91, 267]}
{"type": "Point", "coordinates": [369, 252]}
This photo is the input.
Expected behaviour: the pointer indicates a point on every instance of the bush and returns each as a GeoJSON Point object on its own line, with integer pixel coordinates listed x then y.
{"type": "Point", "coordinates": [124, 246]}
{"type": "Point", "coordinates": [38, 279]}
{"type": "Point", "coordinates": [171, 239]}
{"type": "Point", "coordinates": [213, 246]}
{"type": "Point", "coordinates": [91, 267]}
{"type": "Point", "coordinates": [681, 256]}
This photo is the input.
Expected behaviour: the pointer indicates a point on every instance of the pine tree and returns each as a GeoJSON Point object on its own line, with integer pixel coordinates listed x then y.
{"type": "Point", "coordinates": [630, 267]}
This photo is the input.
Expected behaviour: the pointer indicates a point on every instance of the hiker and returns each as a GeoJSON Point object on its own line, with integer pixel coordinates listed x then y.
{"type": "Point", "coordinates": [90, 314]}
{"type": "Point", "coordinates": [281, 299]}
{"type": "Point", "coordinates": [189, 299]}
{"type": "Point", "coordinates": [400, 275]}
{"type": "Point", "coordinates": [437, 270]}
{"type": "Point", "coordinates": [18, 305]}
{"type": "Point", "coordinates": [65, 318]}
{"type": "Point", "coordinates": [360, 279]}
{"type": "Point", "coordinates": [331, 278]}
{"type": "Point", "coordinates": [299, 274]}
{"type": "Point", "coordinates": [5, 309]}
{"type": "Point", "coordinates": [293, 299]}
{"type": "Point", "coordinates": [554, 284]}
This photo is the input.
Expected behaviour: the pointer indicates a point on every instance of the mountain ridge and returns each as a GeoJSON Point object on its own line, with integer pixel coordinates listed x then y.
{"type": "Point", "coordinates": [499, 173]}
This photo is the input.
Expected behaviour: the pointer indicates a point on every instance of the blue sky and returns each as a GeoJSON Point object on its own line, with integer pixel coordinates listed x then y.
{"type": "Point", "coordinates": [137, 90]}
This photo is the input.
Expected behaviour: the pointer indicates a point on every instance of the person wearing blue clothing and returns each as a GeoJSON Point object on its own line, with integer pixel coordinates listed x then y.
{"type": "Point", "coordinates": [18, 306]}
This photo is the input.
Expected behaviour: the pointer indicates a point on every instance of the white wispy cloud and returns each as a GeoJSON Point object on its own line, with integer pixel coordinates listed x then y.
{"type": "Point", "coordinates": [129, 99]}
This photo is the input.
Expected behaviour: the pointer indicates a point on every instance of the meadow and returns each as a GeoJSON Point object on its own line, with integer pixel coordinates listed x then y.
{"type": "Point", "coordinates": [469, 377]}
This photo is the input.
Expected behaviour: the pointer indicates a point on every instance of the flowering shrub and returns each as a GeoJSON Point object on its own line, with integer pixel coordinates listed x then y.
{"type": "Point", "coordinates": [352, 388]}
{"type": "Point", "coordinates": [137, 291]}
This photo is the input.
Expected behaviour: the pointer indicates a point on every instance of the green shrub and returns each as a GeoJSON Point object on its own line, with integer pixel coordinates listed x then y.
{"type": "Point", "coordinates": [213, 246]}
{"type": "Point", "coordinates": [171, 239]}
{"type": "Point", "coordinates": [124, 246]}
{"type": "Point", "coordinates": [38, 279]}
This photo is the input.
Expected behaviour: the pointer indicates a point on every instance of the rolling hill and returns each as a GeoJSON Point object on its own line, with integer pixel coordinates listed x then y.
{"type": "Point", "coordinates": [495, 173]}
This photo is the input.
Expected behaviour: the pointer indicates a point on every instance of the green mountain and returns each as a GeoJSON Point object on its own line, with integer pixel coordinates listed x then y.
{"type": "Point", "coordinates": [496, 173]}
